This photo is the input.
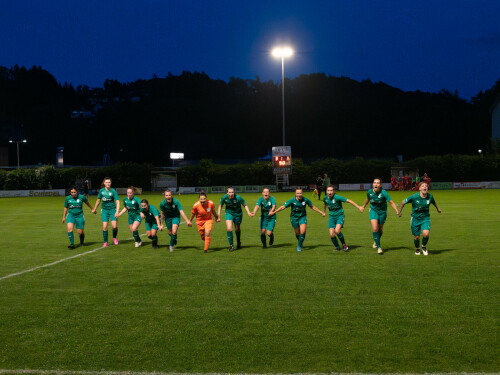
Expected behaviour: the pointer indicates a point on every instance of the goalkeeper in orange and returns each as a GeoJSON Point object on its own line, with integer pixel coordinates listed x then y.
{"type": "Point", "coordinates": [203, 210]}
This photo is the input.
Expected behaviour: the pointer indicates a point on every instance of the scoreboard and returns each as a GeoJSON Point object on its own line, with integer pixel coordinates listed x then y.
{"type": "Point", "coordinates": [282, 160]}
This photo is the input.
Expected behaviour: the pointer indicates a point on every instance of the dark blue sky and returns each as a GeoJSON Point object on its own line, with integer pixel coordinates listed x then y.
{"type": "Point", "coordinates": [426, 44]}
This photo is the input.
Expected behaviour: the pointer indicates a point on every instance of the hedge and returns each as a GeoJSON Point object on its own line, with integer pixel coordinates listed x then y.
{"type": "Point", "coordinates": [440, 168]}
{"type": "Point", "coordinates": [48, 177]}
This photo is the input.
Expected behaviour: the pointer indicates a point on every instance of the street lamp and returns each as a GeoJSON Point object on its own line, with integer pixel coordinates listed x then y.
{"type": "Point", "coordinates": [282, 52]}
{"type": "Point", "coordinates": [17, 142]}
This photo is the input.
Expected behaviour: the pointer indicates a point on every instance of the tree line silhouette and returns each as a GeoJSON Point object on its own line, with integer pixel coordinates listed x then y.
{"type": "Point", "coordinates": [145, 120]}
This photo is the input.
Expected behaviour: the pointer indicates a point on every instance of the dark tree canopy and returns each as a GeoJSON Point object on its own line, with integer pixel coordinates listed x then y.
{"type": "Point", "coordinates": [145, 120]}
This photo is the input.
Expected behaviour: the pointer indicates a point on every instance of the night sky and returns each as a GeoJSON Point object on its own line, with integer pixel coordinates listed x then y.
{"type": "Point", "coordinates": [425, 45]}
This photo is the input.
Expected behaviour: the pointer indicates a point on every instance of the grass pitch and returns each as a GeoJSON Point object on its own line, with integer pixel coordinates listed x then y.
{"type": "Point", "coordinates": [254, 310]}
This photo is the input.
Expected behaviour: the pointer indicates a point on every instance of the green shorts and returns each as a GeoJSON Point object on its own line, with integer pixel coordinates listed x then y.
{"type": "Point", "coordinates": [267, 223]}
{"type": "Point", "coordinates": [381, 218]}
{"type": "Point", "coordinates": [417, 226]}
{"type": "Point", "coordinates": [131, 219]}
{"type": "Point", "coordinates": [107, 215]}
{"type": "Point", "coordinates": [169, 221]}
{"type": "Point", "coordinates": [77, 221]}
{"type": "Point", "coordinates": [297, 222]}
{"type": "Point", "coordinates": [151, 225]}
{"type": "Point", "coordinates": [235, 218]}
{"type": "Point", "coordinates": [333, 221]}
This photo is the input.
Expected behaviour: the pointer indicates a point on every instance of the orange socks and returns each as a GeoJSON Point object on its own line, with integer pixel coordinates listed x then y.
{"type": "Point", "coordinates": [207, 242]}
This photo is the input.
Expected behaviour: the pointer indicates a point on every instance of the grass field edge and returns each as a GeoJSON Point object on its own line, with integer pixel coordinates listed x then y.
{"type": "Point", "coordinates": [82, 372]}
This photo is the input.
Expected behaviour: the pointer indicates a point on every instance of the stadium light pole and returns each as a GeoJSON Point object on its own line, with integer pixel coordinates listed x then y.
{"type": "Point", "coordinates": [17, 143]}
{"type": "Point", "coordinates": [282, 52]}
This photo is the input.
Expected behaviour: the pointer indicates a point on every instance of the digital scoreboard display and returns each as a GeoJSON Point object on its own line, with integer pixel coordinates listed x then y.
{"type": "Point", "coordinates": [282, 160]}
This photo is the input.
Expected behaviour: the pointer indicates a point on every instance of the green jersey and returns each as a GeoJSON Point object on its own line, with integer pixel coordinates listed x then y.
{"type": "Point", "coordinates": [420, 206]}
{"type": "Point", "coordinates": [335, 205]}
{"type": "Point", "coordinates": [378, 201]}
{"type": "Point", "coordinates": [172, 209]}
{"type": "Point", "coordinates": [151, 214]}
{"type": "Point", "coordinates": [108, 198]}
{"type": "Point", "coordinates": [265, 206]}
{"type": "Point", "coordinates": [233, 206]}
{"type": "Point", "coordinates": [298, 207]}
{"type": "Point", "coordinates": [133, 206]}
{"type": "Point", "coordinates": [75, 206]}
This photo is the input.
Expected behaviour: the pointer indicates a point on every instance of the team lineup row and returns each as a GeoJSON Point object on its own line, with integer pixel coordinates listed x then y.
{"type": "Point", "coordinates": [204, 211]}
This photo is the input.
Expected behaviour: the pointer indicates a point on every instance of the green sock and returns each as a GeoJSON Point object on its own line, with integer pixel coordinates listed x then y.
{"type": "Point", "coordinates": [135, 233]}
{"type": "Point", "coordinates": [417, 243]}
{"type": "Point", "coordinates": [82, 238]}
{"type": "Point", "coordinates": [115, 232]}
{"type": "Point", "coordinates": [230, 237]}
{"type": "Point", "coordinates": [425, 240]}
{"type": "Point", "coordinates": [238, 236]}
{"type": "Point", "coordinates": [173, 240]}
{"type": "Point", "coordinates": [297, 236]}
{"type": "Point", "coordinates": [155, 240]}
{"type": "Point", "coordinates": [105, 235]}
{"type": "Point", "coordinates": [302, 237]}
{"type": "Point", "coordinates": [71, 238]}
{"type": "Point", "coordinates": [376, 238]}
{"type": "Point", "coordinates": [341, 238]}
{"type": "Point", "coordinates": [335, 242]}
{"type": "Point", "coordinates": [263, 239]}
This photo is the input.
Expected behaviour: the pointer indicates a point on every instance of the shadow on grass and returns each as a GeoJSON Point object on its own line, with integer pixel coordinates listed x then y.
{"type": "Point", "coordinates": [387, 249]}
{"type": "Point", "coordinates": [279, 245]}
{"type": "Point", "coordinates": [437, 252]}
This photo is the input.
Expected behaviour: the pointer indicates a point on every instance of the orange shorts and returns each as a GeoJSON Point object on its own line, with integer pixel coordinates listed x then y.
{"type": "Point", "coordinates": [203, 225]}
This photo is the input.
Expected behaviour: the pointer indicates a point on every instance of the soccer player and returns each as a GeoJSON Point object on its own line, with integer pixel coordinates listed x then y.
{"type": "Point", "coordinates": [203, 211]}
{"type": "Point", "coordinates": [298, 216]}
{"type": "Point", "coordinates": [132, 204]}
{"type": "Point", "coordinates": [337, 219]}
{"type": "Point", "coordinates": [171, 212]}
{"type": "Point", "coordinates": [73, 215]}
{"type": "Point", "coordinates": [109, 210]}
{"type": "Point", "coordinates": [151, 218]}
{"type": "Point", "coordinates": [266, 203]}
{"type": "Point", "coordinates": [378, 199]}
{"type": "Point", "coordinates": [420, 216]}
{"type": "Point", "coordinates": [234, 214]}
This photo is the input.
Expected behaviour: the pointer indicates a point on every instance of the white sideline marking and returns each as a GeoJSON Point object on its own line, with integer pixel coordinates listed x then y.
{"type": "Point", "coordinates": [65, 372]}
{"type": "Point", "coordinates": [53, 264]}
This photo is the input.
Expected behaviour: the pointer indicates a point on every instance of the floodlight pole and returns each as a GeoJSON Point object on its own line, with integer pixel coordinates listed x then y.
{"type": "Point", "coordinates": [17, 144]}
{"type": "Point", "coordinates": [283, 94]}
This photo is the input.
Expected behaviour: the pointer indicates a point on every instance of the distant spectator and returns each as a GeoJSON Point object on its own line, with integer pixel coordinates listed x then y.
{"type": "Point", "coordinates": [326, 183]}
{"type": "Point", "coordinates": [86, 188]}
{"type": "Point", "coordinates": [394, 183]}
{"type": "Point", "coordinates": [426, 179]}
{"type": "Point", "coordinates": [319, 184]}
